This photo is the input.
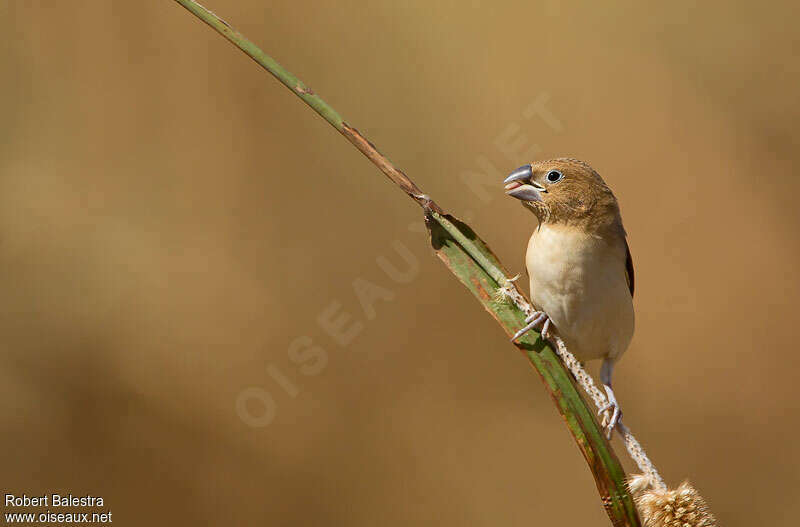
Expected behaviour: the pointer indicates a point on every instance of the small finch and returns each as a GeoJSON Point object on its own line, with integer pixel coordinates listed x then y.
{"type": "Point", "coordinates": [579, 263]}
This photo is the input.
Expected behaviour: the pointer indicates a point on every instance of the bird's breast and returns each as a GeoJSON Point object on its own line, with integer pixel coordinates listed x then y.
{"type": "Point", "coordinates": [578, 279]}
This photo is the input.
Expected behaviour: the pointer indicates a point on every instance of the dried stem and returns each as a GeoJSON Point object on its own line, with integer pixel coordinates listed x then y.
{"type": "Point", "coordinates": [470, 259]}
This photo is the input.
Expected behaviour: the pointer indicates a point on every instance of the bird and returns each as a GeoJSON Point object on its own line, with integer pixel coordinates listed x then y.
{"type": "Point", "coordinates": [579, 265]}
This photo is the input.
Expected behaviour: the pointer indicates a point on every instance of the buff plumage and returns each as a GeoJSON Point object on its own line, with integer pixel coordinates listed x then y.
{"type": "Point", "coordinates": [578, 261]}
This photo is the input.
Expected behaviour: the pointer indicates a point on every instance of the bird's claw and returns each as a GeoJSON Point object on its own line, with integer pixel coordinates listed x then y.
{"type": "Point", "coordinates": [533, 320]}
{"type": "Point", "coordinates": [610, 412]}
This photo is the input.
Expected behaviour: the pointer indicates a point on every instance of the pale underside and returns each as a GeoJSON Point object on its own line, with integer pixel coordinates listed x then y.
{"type": "Point", "coordinates": [579, 280]}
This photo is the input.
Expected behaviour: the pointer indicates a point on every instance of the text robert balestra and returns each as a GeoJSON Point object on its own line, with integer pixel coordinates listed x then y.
{"type": "Point", "coordinates": [53, 500]}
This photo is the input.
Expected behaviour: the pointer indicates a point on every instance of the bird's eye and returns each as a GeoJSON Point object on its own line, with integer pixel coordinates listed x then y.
{"type": "Point", "coordinates": [554, 176]}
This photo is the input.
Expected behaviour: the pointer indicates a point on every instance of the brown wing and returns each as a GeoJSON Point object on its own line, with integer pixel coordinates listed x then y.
{"type": "Point", "coordinates": [629, 267]}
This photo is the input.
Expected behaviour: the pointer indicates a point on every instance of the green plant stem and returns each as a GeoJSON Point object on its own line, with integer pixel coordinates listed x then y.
{"type": "Point", "coordinates": [470, 259]}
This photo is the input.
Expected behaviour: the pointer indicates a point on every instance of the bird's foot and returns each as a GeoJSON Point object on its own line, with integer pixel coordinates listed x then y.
{"type": "Point", "coordinates": [535, 318]}
{"type": "Point", "coordinates": [611, 413]}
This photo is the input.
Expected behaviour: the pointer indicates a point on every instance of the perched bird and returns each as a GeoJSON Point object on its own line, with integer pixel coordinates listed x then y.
{"type": "Point", "coordinates": [579, 263]}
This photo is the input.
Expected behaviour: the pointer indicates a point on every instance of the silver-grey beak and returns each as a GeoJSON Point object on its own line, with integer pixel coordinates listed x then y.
{"type": "Point", "coordinates": [519, 185]}
{"type": "Point", "coordinates": [523, 172]}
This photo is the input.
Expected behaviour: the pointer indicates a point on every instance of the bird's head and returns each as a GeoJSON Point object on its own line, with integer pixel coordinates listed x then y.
{"type": "Point", "coordinates": [565, 191]}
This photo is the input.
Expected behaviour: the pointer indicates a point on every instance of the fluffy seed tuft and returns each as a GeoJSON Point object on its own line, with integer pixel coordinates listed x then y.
{"type": "Point", "coordinates": [661, 507]}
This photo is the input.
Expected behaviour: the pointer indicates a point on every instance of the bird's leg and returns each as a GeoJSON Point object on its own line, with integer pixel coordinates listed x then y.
{"type": "Point", "coordinates": [611, 412]}
{"type": "Point", "coordinates": [535, 318]}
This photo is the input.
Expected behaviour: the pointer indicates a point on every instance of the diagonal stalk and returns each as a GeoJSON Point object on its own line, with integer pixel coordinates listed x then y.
{"type": "Point", "coordinates": [473, 263]}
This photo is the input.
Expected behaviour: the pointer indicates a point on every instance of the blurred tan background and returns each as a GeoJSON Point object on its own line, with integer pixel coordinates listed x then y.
{"type": "Point", "coordinates": [172, 220]}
